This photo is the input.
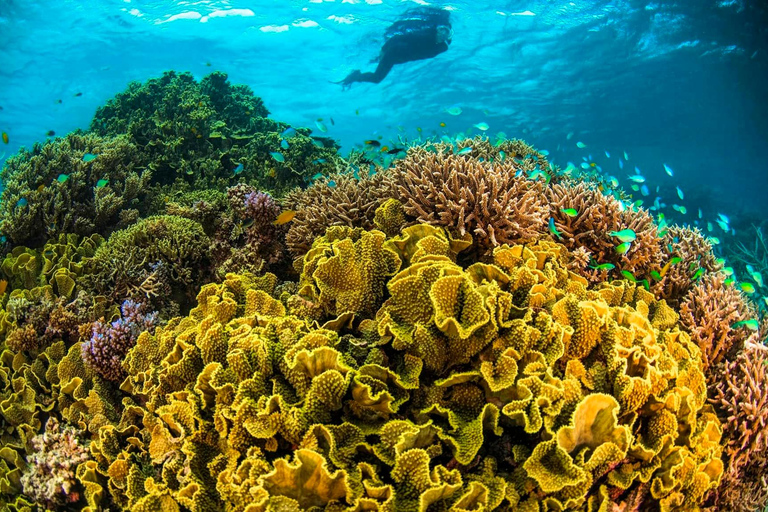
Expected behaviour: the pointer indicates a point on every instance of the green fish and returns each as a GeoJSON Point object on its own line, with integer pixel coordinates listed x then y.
{"type": "Point", "coordinates": [656, 275]}
{"type": "Point", "coordinates": [482, 126]}
{"type": "Point", "coordinates": [750, 324]}
{"type": "Point", "coordinates": [623, 248]}
{"type": "Point", "coordinates": [675, 260]}
{"type": "Point", "coordinates": [467, 150]}
{"type": "Point", "coordinates": [625, 235]}
{"type": "Point", "coordinates": [698, 274]}
{"type": "Point", "coordinates": [101, 183]}
{"type": "Point", "coordinates": [629, 275]}
{"type": "Point", "coordinates": [553, 228]}
{"type": "Point", "coordinates": [277, 156]}
{"type": "Point", "coordinates": [62, 178]}
{"type": "Point", "coordinates": [646, 284]}
{"type": "Point", "coordinates": [502, 156]}
{"type": "Point", "coordinates": [571, 212]}
{"type": "Point", "coordinates": [747, 288]}
{"type": "Point", "coordinates": [321, 126]}
{"type": "Point", "coordinates": [454, 111]}
{"type": "Point", "coordinates": [729, 281]}
{"type": "Point", "coordinates": [604, 266]}
{"type": "Point", "coordinates": [88, 157]}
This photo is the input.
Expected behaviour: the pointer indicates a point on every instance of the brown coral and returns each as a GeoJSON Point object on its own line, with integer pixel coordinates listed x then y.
{"type": "Point", "coordinates": [742, 396]}
{"type": "Point", "coordinates": [709, 311]}
{"type": "Point", "coordinates": [590, 230]}
{"type": "Point", "coordinates": [493, 203]}
{"type": "Point", "coordinates": [339, 200]}
{"type": "Point", "coordinates": [695, 250]}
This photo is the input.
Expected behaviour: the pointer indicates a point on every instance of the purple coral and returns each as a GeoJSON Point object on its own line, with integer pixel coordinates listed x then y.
{"type": "Point", "coordinates": [50, 475]}
{"type": "Point", "coordinates": [262, 208]}
{"type": "Point", "coordinates": [110, 342]}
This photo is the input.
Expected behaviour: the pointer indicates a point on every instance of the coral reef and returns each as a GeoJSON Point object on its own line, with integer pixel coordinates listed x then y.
{"type": "Point", "coordinates": [159, 259]}
{"type": "Point", "coordinates": [211, 134]}
{"type": "Point", "coordinates": [709, 313]}
{"type": "Point", "coordinates": [489, 201]}
{"type": "Point", "coordinates": [211, 310]}
{"type": "Point", "coordinates": [589, 231]}
{"type": "Point", "coordinates": [109, 343]}
{"type": "Point", "coordinates": [50, 476]}
{"type": "Point", "coordinates": [694, 250]}
{"type": "Point", "coordinates": [82, 184]}
{"type": "Point", "coordinates": [742, 397]}
{"type": "Point", "coordinates": [510, 383]}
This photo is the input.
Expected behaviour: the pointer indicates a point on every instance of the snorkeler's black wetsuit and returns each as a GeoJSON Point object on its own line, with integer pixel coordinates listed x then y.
{"type": "Point", "coordinates": [419, 34]}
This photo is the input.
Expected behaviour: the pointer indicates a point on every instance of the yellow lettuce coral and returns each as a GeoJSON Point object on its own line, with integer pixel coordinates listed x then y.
{"type": "Point", "coordinates": [504, 384]}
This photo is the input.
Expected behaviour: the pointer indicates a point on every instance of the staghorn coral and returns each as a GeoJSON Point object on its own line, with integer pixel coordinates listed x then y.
{"type": "Point", "coordinates": [467, 195]}
{"type": "Point", "coordinates": [501, 385]}
{"type": "Point", "coordinates": [708, 312]}
{"type": "Point", "coordinates": [742, 398]}
{"type": "Point", "coordinates": [111, 341]}
{"type": "Point", "coordinates": [38, 204]}
{"type": "Point", "coordinates": [589, 231]}
{"type": "Point", "coordinates": [50, 477]}
{"type": "Point", "coordinates": [350, 202]}
{"type": "Point", "coordinates": [695, 250]}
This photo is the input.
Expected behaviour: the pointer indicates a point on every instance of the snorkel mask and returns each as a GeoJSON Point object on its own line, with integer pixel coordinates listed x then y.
{"type": "Point", "coordinates": [444, 34]}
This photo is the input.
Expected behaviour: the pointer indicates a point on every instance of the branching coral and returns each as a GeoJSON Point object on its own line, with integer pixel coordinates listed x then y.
{"type": "Point", "coordinates": [466, 195]}
{"type": "Point", "coordinates": [742, 397]}
{"type": "Point", "coordinates": [50, 477]}
{"type": "Point", "coordinates": [55, 188]}
{"type": "Point", "coordinates": [338, 200]}
{"type": "Point", "coordinates": [110, 341]}
{"type": "Point", "coordinates": [709, 313]}
{"type": "Point", "coordinates": [599, 215]}
{"type": "Point", "coordinates": [694, 251]}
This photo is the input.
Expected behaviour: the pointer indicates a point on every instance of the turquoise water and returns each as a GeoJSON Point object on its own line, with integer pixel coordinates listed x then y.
{"type": "Point", "coordinates": [668, 82]}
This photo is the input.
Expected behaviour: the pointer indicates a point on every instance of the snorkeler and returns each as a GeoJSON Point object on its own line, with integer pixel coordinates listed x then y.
{"type": "Point", "coordinates": [421, 33]}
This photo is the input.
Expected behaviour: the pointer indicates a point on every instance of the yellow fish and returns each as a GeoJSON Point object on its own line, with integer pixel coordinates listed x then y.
{"type": "Point", "coordinates": [384, 149]}
{"type": "Point", "coordinates": [285, 217]}
{"type": "Point", "coordinates": [3, 286]}
{"type": "Point", "coordinates": [442, 125]}
{"type": "Point", "coordinates": [5, 137]}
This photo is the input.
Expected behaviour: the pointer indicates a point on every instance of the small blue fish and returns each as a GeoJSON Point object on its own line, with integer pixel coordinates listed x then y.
{"type": "Point", "coordinates": [680, 193]}
{"type": "Point", "coordinates": [644, 190]}
{"type": "Point", "coordinates": [238, 169]}
{"type": "Point", "coordinates": [454, 111]}
{"type": "Point", "coordinates": [580, 145]}
{"type": "Point", "coordinates": [317, 143]}
{"type": "Point", "coordinates": [637, 178]}
{"type": "Point", "coordinates": [319, 161]}
{"type": "Point", "coordinates": [321, 126]}
{"type": "Point", "coordinates": [553, 228]}
{"type": "Point", "coordinates": [22, 202]}
{"type": "Point", "coordinates": [284, 144]}
{"type": "Point", "coordinates": [62, 178]}
{"type": "Point", "coordinates": [626, 156]}
{"type": "Point", "coordinates": [668, 169]}
{"type": "Point", "coordinates": [88, 157]}
{"type": "Point", "coordinates": [317, 176]}
{"type": "Point", "coordinates": [482, 126]}
{"type": "Point", "coordinates": [607, 154]}
{"type": "Point", "coordinates": [621, 164]}
{"type": "Point", "coordinates": [288, 133]}
{"type": "Point", "coordinates": [467, 150]}
{"type": "Point", "coordinates": [277, 156]}
{"type": "Point", "coordinates": [332, 183]}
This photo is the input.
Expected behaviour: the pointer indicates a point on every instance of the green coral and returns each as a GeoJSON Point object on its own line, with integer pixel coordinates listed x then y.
{"type": "Point", "coordinates": [160, 258]}
{"type": "Point", "coordinates": [52, 190]}
{"type": "Point", "coordinates": [196, 133]}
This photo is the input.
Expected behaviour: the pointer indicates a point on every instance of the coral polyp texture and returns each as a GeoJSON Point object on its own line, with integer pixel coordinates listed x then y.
{"type": "Point", "coordinates": [203, 309]}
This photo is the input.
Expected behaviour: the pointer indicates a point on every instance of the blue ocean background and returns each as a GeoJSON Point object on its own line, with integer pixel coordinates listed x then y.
{"type": "Point", "coordinates": [682, 83]}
